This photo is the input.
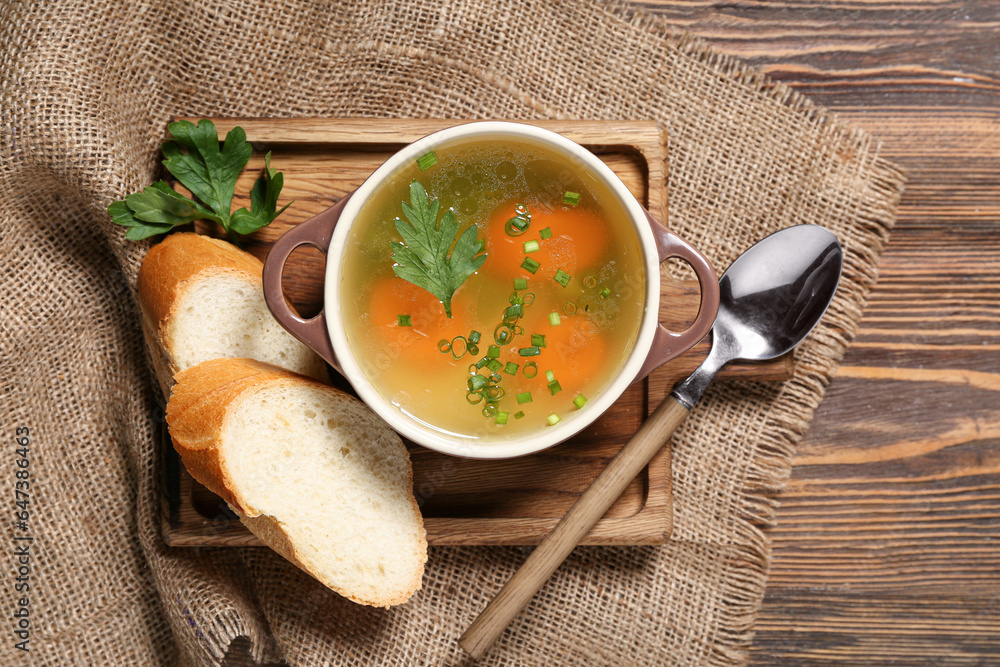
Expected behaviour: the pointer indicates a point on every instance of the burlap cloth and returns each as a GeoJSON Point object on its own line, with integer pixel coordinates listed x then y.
{"type": "Point", "coordinates": [87, 89]}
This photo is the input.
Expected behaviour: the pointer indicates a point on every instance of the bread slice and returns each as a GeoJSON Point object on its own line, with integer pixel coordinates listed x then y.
{"type": "Point", "coordinates": [201, 299]}
{"type": "Point", "coordinates": [310, 470]}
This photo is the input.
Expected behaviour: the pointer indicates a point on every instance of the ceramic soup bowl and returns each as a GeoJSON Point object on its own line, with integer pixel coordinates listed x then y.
{"type": "Point", "coordinates": [330, 332]}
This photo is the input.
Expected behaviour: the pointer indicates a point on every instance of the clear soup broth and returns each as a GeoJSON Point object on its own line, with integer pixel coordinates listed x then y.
{"type": "Point", "coordinates": [537, 332]}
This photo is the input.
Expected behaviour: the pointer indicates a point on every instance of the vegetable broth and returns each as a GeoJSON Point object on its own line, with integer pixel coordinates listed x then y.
{"type": "Point", "coordinates": [422, 364]}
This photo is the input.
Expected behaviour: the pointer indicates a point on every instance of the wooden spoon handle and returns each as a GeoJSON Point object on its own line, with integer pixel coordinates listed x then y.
{"type": "Point", "coordinates": [580, 518]}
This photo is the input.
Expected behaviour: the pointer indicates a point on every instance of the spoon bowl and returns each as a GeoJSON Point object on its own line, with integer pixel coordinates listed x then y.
{"type": "Point", "coordinates": [770, 298]}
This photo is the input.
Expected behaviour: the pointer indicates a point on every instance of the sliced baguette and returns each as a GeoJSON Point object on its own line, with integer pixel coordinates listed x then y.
{"type": "Point", "coordinates": [311, 471]}
{"type": "Point", "coordinates": [201, 299]}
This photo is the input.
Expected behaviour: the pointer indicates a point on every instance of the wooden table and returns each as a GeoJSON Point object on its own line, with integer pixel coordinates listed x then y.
{"type": "Point", "coordinates": [887, 547]}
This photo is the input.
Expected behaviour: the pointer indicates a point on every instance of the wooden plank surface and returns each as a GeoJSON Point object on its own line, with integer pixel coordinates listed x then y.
{"type": "Point", "coordinates": [466, 502]}
{"type": "Point", "coordinates": [887, 548]}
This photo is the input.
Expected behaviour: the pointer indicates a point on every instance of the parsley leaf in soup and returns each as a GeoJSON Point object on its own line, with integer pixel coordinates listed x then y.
{"type": "Point", "coordinates": [423, 257]}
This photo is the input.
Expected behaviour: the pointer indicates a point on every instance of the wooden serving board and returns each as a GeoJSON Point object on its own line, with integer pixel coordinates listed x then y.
{"type": "Point", "coordinates": [465, 502]}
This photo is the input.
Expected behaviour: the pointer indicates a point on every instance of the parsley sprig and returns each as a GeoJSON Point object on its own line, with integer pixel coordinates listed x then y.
{"type": "Point", "coordinates": [194, 158]}
{"type": "Point", "coordinates": [423, 259]}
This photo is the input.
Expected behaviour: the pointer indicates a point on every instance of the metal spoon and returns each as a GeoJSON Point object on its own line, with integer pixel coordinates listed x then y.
{"type": "Point", "coordinates": [771, 298]}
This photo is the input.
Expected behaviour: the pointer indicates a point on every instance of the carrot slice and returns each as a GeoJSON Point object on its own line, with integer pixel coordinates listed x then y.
{"type": "Point", "coordinates": [579, 240]}
{"type": "Point", "coordinates": [575, 350]}
{"type": "Point", "coordinates": [394, 296]}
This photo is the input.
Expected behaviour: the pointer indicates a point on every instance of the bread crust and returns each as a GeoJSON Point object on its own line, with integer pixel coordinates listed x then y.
{"type": "Point", "coordinates": [202, 399]}
{"type": "Point", "coordinates": [159, 357]}
{"type": "Point", "coordinates": [180, 257]}
{"type": "Point", "coordinates": [172, 267]}
{"type": "Point", "coordinates": [269, 531]}
{"type": "Point", "coordinates": [196, 414]}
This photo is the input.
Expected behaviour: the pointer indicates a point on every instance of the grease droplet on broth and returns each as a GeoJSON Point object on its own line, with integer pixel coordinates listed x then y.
{"type": "Point", "coordinates": [506, 171]}
{"type": "Point", "coordinates": [461, 187]}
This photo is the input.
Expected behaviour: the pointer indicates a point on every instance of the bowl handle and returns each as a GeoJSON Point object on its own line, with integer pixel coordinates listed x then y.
{"type": "Point", "coordinates": [317, 232]}
{"type": "Point", "coordinates": [668, 344]}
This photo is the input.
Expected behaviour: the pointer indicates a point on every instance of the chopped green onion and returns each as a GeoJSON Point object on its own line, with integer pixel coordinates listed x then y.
{"type": "Point", "coordinates": [532, 351]}
{"type": "Point", "coordinates": [530, 265]}
{"type": "Point", "coordinates": [528, 298]}
{"type": "Point", "coordinates": [444, 347]}
{"type": "Point", "coordinates": [562, 277]}
{"type": "Point", "coordinates": [605, 293]}
{"type": "Point", "coordinates": [530, 370]}
{"type": "Point", "coordinates": [531, 246]}
{"type": "Point", "coordinates": [545, 233]}
{"type": "Point", "coordinates": [580, 401]}
{"type": "Point", "coordinates": [514, 311]}
{"type": "Point", "coordinates": [493, 393]}
{"type": "Point", "coordinates": [510, 368]}
{"type": "Point", "coordinates": [524, 397]}
{"type": "Point", "coordinates": [590, 282]}
{"type": "Point", "coordinates": [554, 388]}
{"type": "Point", "coordinates": [554, 319]}
{"type": "Point", "coordinates": [553, 419]}
{"type": "Point", "coordinates": [403, 320]}
{"type": "Point", "coordinates": [503, 334]}
{"type": "Point", "coordinates": [515, 299]}
{"type": "Point", "coordinates": [501, 417]}
{"type": "Point", "coordinates": [522, 210]}
{"type": "Point", "coordinates": [474, 350]}
{"type": "Point", "coordinates": [474, 398]}
{"type": "Point", "coordinates": [473, 369]}
{"type": "Point", "coordinates": [569, 308]}
{"type": "Point", "coordinates": [517, 225]}
{"type": "Point", "coordinates": [495, 378]}
{"type": "Point", "coordinates": [571, 198]}
{"type": "Point", "coordinates": [474, 336]}
{"type": "Point", "coordinates": [538, 340]}
{"type": "Point", "coordinates": [427, 160]}
{"type": "Point", "coordinates": [494, 365]}
{"type": "Point", "coordinates": [482, 362]}
{"type": "Point", "coordinates": [476, 382]}
{"type": "Point", "coordinates": [519, 414]}
{"type": "Point", "coordinates": [459, 347]}
{"type": "Point", "coordinates": [550, 376]}
{"type": "Point", "coordinates": [492, 352]}
{"type": "Point", "coordinates": [520, 283]}
{"type": "Point", "coordinates": [490, 410]}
